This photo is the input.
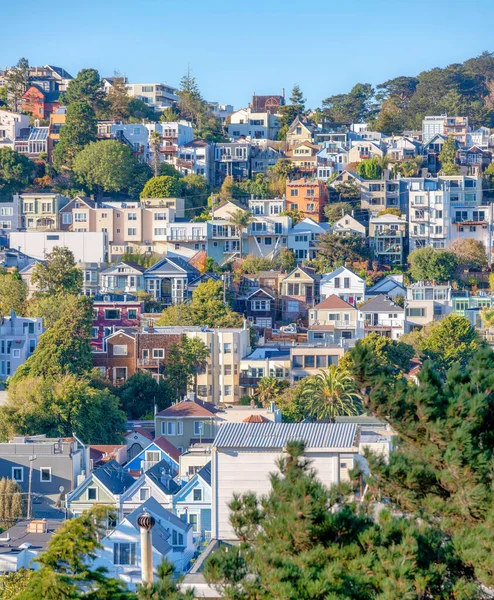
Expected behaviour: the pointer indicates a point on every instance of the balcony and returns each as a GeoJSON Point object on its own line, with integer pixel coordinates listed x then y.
{"type": "Point", "coordinates": [186, 238]}
{"type": "Point", "coordinates": [185, 164]}
{"type": "Point", "coordinates": [151, 363]}
{"type": "Point", "coordinates": [248, 381]}
{"type": "Point", "coordinates": [168, 149]}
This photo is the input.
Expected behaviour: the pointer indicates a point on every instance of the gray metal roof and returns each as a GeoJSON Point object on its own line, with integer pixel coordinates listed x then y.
{"type": "Point", "coordinates": [276, 435]}
{"type": "Point", "coordinates": [38, 134]}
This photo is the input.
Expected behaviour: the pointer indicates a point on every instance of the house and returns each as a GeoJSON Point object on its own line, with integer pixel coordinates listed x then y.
{"type": "Point", "coordinates": [90, 278]}
{"type": "Point", "coordinates": [377, 195]}
{"type": "Point", "coordinates": [431, 150]}
{"type": "Point", "coordinates": [268, 235]}
{"type": "Point", "coordinates": [382, 316]}
{"type": "Point", "coordinates": [390, 286]}
{"type": "Point", "coordinates": [187, 421]}
{"type": "Point", "coordinates": [167, 280]}
{"type": "Point", "coordinates": [301, 130]}
{"type": "Point", "coordinates": [101, 487]}
{"type": "Point", "coordinates": [193, 503]}
{"type": "Point", "coordinates": [50, 467]}
{"type": "Point", "coordinates": [309, 359]}
{"type": "Point", "coordinates": [309, 196]}
{"type": "Point", "coordinates": [345, 284]}
{"type": "Point", "coordinates": [303, 238]}
{"type": "Point", "coordinates": [195, 158]}
{"type": "Point", "coordinates": [331, 159]}
{"type": "Point", "coordinates": [21, 544]}
{"type": "Point", "coordinates": [194, 459]}
{"type": "Point", "coordinates": [40, 211]}
{"type": "Point", "coordinates": [136, 440]}
{"type": "Point", "coordinates": [117, 360]}
{"type": "Point", "coordinates": [19, 337]}
{"type": "Point", "coordinates": [112, 312]}
{"type": "Point", "coordinates": [259, 307]}
{"type": "Point", "coordinates": [153, 347]}
{"type": "Point", "coordinates": [12, 127]}
{"type": "Point", "coordinates": [156, 482]}
{"type": "Point", "coordinates": [348, 225]}
{"type": "Point", "coordinates": [303, 157]}
{"type": "Point", "coordinates": [336, 317]}
{"type": "Point", "coordinates": [401, 148]}
{"type": "Point", "coordinates": [475, 159]}
{"type": "Point", "coordinates": [156, 95]}
{"type": "Point", "coordinates": [171, 538]}
{"type": "Point", "coordinates": [185, 240]}
{"type": "Point", "coordinates": [40, 103]}
{"type": "Point", "coordinates": [272, 207]}
{"type": "Point", "coordinates": [363, 150]}
{"type": "Point", "coordinates": [263, 156]}
{"type": "Point", "coordinates": [265, 361]}
{"type": "Point", "coordinates": [231, 160]}
{"type": "Point", "coordinates": [270, 103]}
{"type": "Point", "coordinates": [299, 293]}
{"type": "Point", "coordinates": [125, 277]}
{"type": "Point", "coordinates": [253, 449]}
{"type": "Point", "coordinates": [389, 238]}
{"type": "Point", "coordinates": [426, 302]}
{"type": "Point", "coordinates": [100, 454]}
{"type": "Point", "coordinates": [161, 449]}
{"type": "Point", "coordinates": [255, 125]}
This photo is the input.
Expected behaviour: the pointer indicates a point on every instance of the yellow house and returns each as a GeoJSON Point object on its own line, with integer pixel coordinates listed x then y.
{"type": "Point", "coordinates": [300, 130]}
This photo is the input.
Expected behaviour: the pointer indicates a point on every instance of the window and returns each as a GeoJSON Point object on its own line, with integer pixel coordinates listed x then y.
{"type": "Point", "coordinates": [160, 216]}
{"type": "Point", "coordinates": [124, 553]}
{"type": "Point", "coordinates": [227, 369]}
{"type": "Point", "coordinates": [45, 474]}
{"type": "Point", "coordinates": [193, 520]}
{"type": "Point", "coordinates": [177, 538]}
{"type": "Point", "coordinates": [268, 241]}
{"type": "Point", "coordinates": [202, 391]}
{"type": "Point", "coordinates": [227, 348]}
{"type": "Point", "coordinates": [159, 231]}
{"type": "Point", "coordinates": [143, 494]}
{"type": "Point", "coordinates": [346, 282]}
{"type": "Point", "coordinates": [198, 427]}
{"type": "Point", "coordinates": [337, 282]}
{"type": "Point", "coordinates": [119, 350]}
{"type": "Point", "coordinates": [309, 362]}
{"type": "Point", "coordinates": [80, 217]}
{"type": "Point", "coordinates": [132, 313]}
{"type": "Point", "coordinates": [112, 314]}
{"type": "Point", "coordinates": [158, 353]}
{"type": "Point", "coordinates": [260, 305]}
{"type": "Point", "coordinates": [67, 219]}
{"type": "Point", "coordinates": [415, 312]}
{"type": "Point", "coordinates": [227, 390]}
{"type": "Point", "coordinates": [132, 216]}
{"type": "Point", "coordinates": [131, 231]}
{"type": "Point", "coordinates": [94, 333]}
{"type": "Point", "coordinates": [92, 493]}
{"type": "Point", "coordinates": [16, 353]}
{"type": "Point", "coordinates": [297, 362]}
{"type": "Point", "coordinates": [293, 193]}
{"type": "Point", "coordinates": [18, 474]}
{"type": "Point", "coordinates": [321, 362]}
{"type": "Point", "coordinates": [293, 290]}
{"type": "Point", "coordinates": [32, 346]}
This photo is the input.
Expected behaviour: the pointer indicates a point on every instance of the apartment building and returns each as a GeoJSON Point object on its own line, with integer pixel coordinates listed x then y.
{"type": "Point", "coordinates": [85, 246]}
{"type": "Point", "coordinates": [156, 95]}
{"type": "Point", "coordinates": [265, 361]}
{"type": "Point", "coordinates": [12, 127]}
{"type": "Point", "coordinates": [256, 125]}
{"type": "Point", "coordinates": [456, 127]}
{"type": "Point", "coordinates": [268, 235]}
{"type": "Point", "coordinates": [426, 302]}
{"type": "Point", "coordinates": [309, 196]}
{"type": "Point", "coordinates": [231, 160]}
{"type": "Point", "coordinates": [19, 337]}
{"type": "Point", "coordinates": [309, 359]}
{"type": "Point", "coordinates": [39, 211]}
{"type": "Point", "coordinates": [303, 157]}
{"type": "Point", "coordinates": [117, 360]}
{"type": "Point", "coordinates": [388, 238]}
{"type": "Point", "coordinates": [195, 157]}
{"type": "Point", "coordinates": [379, 194]}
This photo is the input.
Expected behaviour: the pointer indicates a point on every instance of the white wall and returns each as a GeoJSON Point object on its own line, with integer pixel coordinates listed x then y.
{"type": "Point", "coordinates": [86, 246]}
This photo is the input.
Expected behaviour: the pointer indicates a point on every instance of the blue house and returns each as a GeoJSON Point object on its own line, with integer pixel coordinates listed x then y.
{"type": "Point", "coordinates": [160, 449]}
{"type": "Point", "coordinates": [193, 503]}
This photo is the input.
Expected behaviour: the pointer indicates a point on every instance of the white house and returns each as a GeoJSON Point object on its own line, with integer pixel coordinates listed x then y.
{"type": "Point", "coordinates": [257, 126]}
{"type": "Point", "coordinates": [391, 286]}
{"type": "Point", "coordinates": [343, 283]}
{"type": "Point", "coordinates": [11, 126]}
{"type": "Point", "coordinates": [171, 538]}
{"type": "Point", "coordinates": [86, 246]}
{"type": "Point", "coordinates": [193, 503]}
{"type": "Point", "coordinates": [245, 454]}
{"type": "Point", "coordinates": [348, 225]}
{"type": "Point", "coordinates": [382, 316]}
{"type": "Point", "coordinates": [267, 206]}
{"type": "Point", "coordinates": [302, 238]}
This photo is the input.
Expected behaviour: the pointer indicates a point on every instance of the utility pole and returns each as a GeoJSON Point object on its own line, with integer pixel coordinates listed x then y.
{"type": "Point", "coordinates": [212, 207]}
{"type": "Point", "coordinates": [32, 458]}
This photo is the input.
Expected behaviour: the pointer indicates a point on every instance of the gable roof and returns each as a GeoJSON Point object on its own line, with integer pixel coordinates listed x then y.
{"type": "Point", "coordinates": [167, 484]}
{"type": "Point", "coordinates": [387, 282]}
{"type": "Point", "coordinates": [299, 120]}
{"type": "Point", "coordinates": [335, 302]}
{"type": "Point", "coordinates": [113, 477]}
{"type": "Point", "coordinates": [84, 199]}
{"type": "Point", "coordinates": [260, 292]}
{"type": "Point", "coordinates": [189, 408]}
{"type": "Point", "coordinates": [205, 473]}
{"type": "Point", "coordinates": [276, 435]}
{"type": "Point", "coordinates": [255, 419]}
{"type": "Point", "coordinates": [381, 303]}
{"type": "Point", "coordinates": [126, 263]}
{"type": "Point", "coordinates": [155, 507]}
{"type": "Point", "coordinates": [309, 271]}
{"type": "Point", "coordinates": [141, 431]}
{"type": "Point", "coordinates": [339, 271]}
{"type": "Point", "coordinates": [168, 448]}
{"type": "Point", "coordinates": [174, 264]}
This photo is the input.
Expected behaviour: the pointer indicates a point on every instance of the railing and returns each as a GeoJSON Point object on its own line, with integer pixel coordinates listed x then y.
{"type": "Point", "coordinates": [246, 380]}
{"type": "Point", "coordinates": [186, 238]}
{"type": "Point", "coordinates": [149, 362]}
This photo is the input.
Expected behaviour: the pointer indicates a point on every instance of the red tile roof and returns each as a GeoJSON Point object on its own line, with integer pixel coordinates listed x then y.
{"type": "Point", "coordinates": [256, 419]}
{"type": "Point", "coordinates": [334, 301]}
{"type": "Point", "coordinates": [190, 408]}
{"type": "Point", "coordinates": [168, 447]}
{"type": "Point", "coordinates": [144, 432]}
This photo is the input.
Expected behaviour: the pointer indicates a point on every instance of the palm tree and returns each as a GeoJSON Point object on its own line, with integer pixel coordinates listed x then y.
{"type": "Point", "coordinates": [241, 219]}
{"type": "Point", "coordinates": [154, 145]}
{"type": "Point", "coordinates": [269, 388]}
{"type": "Point", "coordinates": [331, 394]}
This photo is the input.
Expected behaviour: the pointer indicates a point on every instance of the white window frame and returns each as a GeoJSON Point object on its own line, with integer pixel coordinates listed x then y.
{"type": "Point", "coordinates": [120, 351]}
{"type": "Point", "coordinates": [201, 499]}
{"type": "Point", "coordinates": [21, 469]}
{"type": "Point", "coordinates": [97, 494]}
{"type": "Point", "coordinates": [44, 470]}
{"type": "Point", "coordinates": [198, 428]}
{"type": "Point", "coordinates": [148, 492]}
{"type": "Point", "coordinates": [158, 353]}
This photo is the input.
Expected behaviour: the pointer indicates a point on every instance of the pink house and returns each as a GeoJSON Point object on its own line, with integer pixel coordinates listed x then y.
{"type": "Point", "coordinates": [113, 312]}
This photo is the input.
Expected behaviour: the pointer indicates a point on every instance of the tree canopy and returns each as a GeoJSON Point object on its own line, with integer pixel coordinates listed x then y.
{"type": "Point", "coordinates": [13, 294]}
{"type": "Point", "coordinates": [163, 186]}
{"type": "Point", "coordinates": [58, 274]}
{"type": "Point", "coordinates": [16, 172]}
{"type": "Point", "coordinates": [79, 130]}
{"type": "Point", "coordinates": [431, 264]}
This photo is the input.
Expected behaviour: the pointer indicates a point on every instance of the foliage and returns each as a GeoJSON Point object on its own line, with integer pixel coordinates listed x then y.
{"type": "Point", "coordinates": [184, 361]}
{"type": "Point", "coordinates": [336, 250]}
{"type": "Point", "coordinates": [163, 186]}
{"type": "Point", "coordinates": [79, 130]}
{"type": "Point", "coordinates": [58, 274]}
{"type": "Point", "coordinates": [292, 403]}
{"type": "Point", "coordinates": [284, 167]}
{"type": "Point", "coordinates": [17, 80]}
{"type": "Point", "coordinates": [348, 189]}
{"type": "Point", "coordinates": [286, 260]}
{"type": "Point", "coordinates": [390, 119]}
{"type": "Point", "coordinates": [165, 586]}
{"type": "Point", "coordinates": [331, 393]}
{"type": "Point", "coordinates": [139, 111]}
{"type": "Point", "coordinates": [13, 294]}
{"type": "Point", "coordinates": [59, 406]}
{"type": "Point", "coordinates": [447, 157]}
{"type": "Point", "coordinates": [85, 87]}
{"type": "Point", "coordinates": [370, 168]}
{"type": "Point", "coordinates": [241, 219]}
{"type": "Point", "coordinates": [141, 258]}
{"type": "Point", "coordinates": [49, 307]}
{"type": "Point", "coordinates": [431, 264]}
{"type": "Point", "coordinates": [269, 388]}
{"type": "Point", "coordinates": [195, 190]}
{"type": "Point", "coordinates": [64, 348]}
{"type": "Point", "coordinates": [139, 394]}
{"type": "Point", "coordinates": [117, 99]}
{"type": "Point", "coordinates": [470, 254]}
{"type": "Point", "coordinates": [106, 166]}
{"type": "Point", "coordinates": [252, 264]}
{"type": "Point", "coordinates": [16, 172]}
{"type": "Point", "coordinates": [64, 567]}
{"type": "Point", "coordinates": [390, 211]}
{"type": "Point", "coordinates": [295, 215]}
{"type": "Point", "coordinates": [336, 210]}
{"type": "Point", "coordinates": [12, 504]}
{"type": "Point", "coordinates": [302, 541]}
{"type": "Point", "coordinates": [442, 464]}
{"type": "Point", "coordinates": [13, 583]}
{"type": "Point", "coordinates": [168, 170]}
{"type": "Point", "coordinates": [355, 107]}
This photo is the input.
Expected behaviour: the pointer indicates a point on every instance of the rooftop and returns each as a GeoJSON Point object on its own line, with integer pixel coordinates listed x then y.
{"type": "Point", "coordinates": [189, 408]}
{"type": "Point", "coordinates": [334, 302]}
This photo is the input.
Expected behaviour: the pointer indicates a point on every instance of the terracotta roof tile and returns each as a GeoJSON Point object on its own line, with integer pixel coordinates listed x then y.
{"type": "Point", "coordinates": [256, 419]}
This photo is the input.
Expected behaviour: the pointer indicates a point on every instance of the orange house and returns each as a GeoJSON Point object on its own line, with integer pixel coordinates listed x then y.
{"type": "Point", "coordinates": [39, 102]}
{"type": "Point", "coordinates": [308, 196]}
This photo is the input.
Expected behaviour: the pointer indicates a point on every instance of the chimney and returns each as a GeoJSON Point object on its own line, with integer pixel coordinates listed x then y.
{"type": "Point", "coordinates": [146, 522]}
{"type": "Point", "coordinates": [192, 397]}
{"type": "Point", "coordinates": [151, 326]}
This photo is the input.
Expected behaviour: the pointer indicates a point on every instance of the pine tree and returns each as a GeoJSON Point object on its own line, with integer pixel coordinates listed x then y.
{"type": "Point", "coordinates": [17, 78]}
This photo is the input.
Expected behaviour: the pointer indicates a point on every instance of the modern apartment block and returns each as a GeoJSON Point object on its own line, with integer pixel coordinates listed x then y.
{"type": "Point", "coordinates": [456, 127]}
{"type": "Point", "coordinates": [19, 337]}
{"type": "Point", "coordinates": [156, 95]}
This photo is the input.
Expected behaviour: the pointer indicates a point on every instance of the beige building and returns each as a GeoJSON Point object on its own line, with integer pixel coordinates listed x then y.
{"type": "Point", "coordinates": [300, 131]}
{"type": "Point", "coordinates": [363, 150]}
{"type": "Point", "coordinates": [378, 194]}
{"type": "Point", "coordinates": [336, 318]}
{"type": "Point", "coordinates": [40, 212]}
{"type": "Point", "coordinates": [308, 360]}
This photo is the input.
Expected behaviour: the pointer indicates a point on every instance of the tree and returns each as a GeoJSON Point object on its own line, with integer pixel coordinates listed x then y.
{"type": "Point", "coordinates": [295, 215]}
{"type": "Point", "coordinates": [331, 394]}
{"type": "Point", "coordinates": [65, 570]}
{"type": "Point", "coordinates": [154, 146]}
{"type": "Point", "coordinates": [348, 190]}
{"type": "Point", "coordinates": [165, 586]}
{"type": "Point", "coordinates": [398, 90]}
{"type": "Point", "coordinates": [60, 405]}
{"type": "Point", "coordinates": [286, 260]}
{"type": "Point", "coordinates": [12, 504]}
{"type": "Point", "coordinates": [451, 341]}
{"type": "Point", "coordinates": [241, 219]}
{"type": "Point", "coordinates": [390, 119]}
{"type": "Point", "coordinates": [269, 388]}
{"type": "Point", "coordinates": [58, 274]}
{"type": "Point", "coordinates": [13, 294]}
{"type": "Point", "coordinates": [105, 166]}
{"type": "Point", "coordinates": [336, 250]}
{"type": "Point", "coordinates": [470, 254]}
{"type": "Point", "coordinates": [16, 172]}
{"type": "Point", "coordinates": [139, 394]}
{"type": "Point", "coordinates": [64, 349]}
{"type": "Point", "coordinates": [336, 210]}
{"type": "Point", "coordinates": [170, 115]}
{"type": "Point", "coordinates": [190, 102]}
{"type": "Point", "coordinates": [139, 111]}
{"type": "Point", "coordinates": [85, 88]}
{"type": "Point", "coordinates": [447, 157]}
{"type": "Point", "coordinates": [289, 112]}
{"type": "Point", "coordinates": [13, 583]}
{"type": "Point", "coordinates": [162, 187]}
{"type": "Point", "coordinates": [284, 167]}
{"type": "Point", "coordinates": [355, 107]}
{"type": "Point", "coordinates": [17, 79]}
{"type": "Point", "coordinates": [195, 190]}
{"type": "Point", "coordinates": [302, 541]}
{"type": "Point", "coordinates": [48, 307]}
{"type": "Point", "coordinates": [441, 467]}
{"type": "Point", "coordinates": [430, 264]}
{"type": "Point", "coordinates": [79, 130]}
{"type": "Point", "coordinates": [170, 171]}
{"type": "Point", "coordinates": [370, 168]}
{"type": "Point", "coordinates": [118, 99]}
{"type": "Point", "coordinates": [183, 363]}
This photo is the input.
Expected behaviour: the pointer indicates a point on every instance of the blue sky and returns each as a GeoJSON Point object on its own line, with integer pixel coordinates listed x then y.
{"type": "Point", "coordinates": [235, 48]}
